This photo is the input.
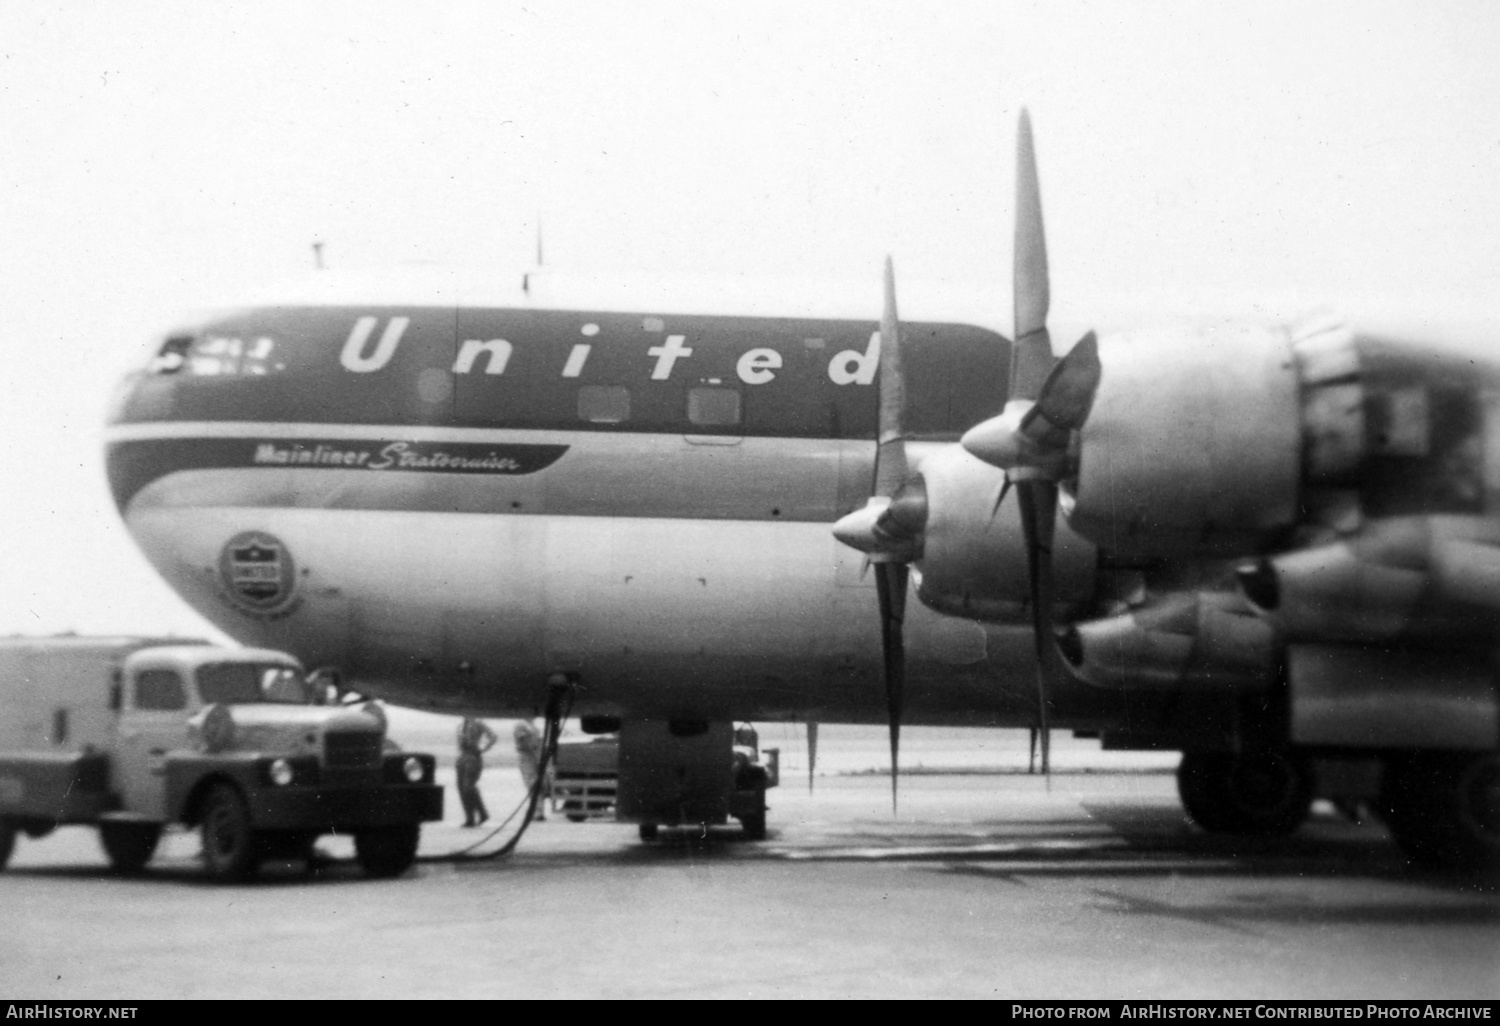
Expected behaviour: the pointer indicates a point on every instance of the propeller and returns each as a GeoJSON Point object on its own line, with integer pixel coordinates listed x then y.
{"type": "Point", "coordinates": [889, 527]}
{"type": "Point", "coordinates": [1049, 399]}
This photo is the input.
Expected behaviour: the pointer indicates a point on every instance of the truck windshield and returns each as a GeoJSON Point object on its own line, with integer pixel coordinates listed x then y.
{"type": "Point", "coordinates": [251, 682]}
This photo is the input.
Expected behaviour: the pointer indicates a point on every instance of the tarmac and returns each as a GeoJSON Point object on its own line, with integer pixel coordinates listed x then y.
{"type": "Point", "coordinates": [983, 884]}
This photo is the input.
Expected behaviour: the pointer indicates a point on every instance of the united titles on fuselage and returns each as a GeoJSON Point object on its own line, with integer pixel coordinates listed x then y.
{"type": "Point", "coordinates": [216, 354]}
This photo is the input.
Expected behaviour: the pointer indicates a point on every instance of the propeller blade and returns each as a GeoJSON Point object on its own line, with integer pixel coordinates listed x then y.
{"type": "Point", "coordinates": [890, 587]}
{"type": "Point", "coordinates": [1001, 440]}
{"type": "Point", "coordinates": [1038, 501]}
{"type": "Point", "coordinates": [890, 451]}
{"type": "Point", "coordinates": [1068, 394]}
{"type": "Point", "coordinates": [1031, 354]}
{"type": "Point", "coordinates": [1000, 499]}
{"type": "Point", "coordinates": [896, 529]}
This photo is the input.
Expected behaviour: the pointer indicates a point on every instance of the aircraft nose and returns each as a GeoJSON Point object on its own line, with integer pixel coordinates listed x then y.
{"type": "Point", "coordinates": [119, 400]}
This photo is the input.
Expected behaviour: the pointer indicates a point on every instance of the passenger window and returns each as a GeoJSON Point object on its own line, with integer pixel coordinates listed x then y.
{"type": "Point", "coordinates": [714, 407]}
{"type": "Point", "coordinates": [604, 404]}
{"type": "Point", "coordinates": [159, 689]}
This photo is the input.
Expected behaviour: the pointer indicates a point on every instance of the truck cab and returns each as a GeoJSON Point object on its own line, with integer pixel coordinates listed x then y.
{"type": "Point", "coordinates": [233, 741]}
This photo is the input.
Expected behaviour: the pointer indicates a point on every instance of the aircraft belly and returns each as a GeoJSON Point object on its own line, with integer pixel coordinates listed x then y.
{"type": "Point", "coordinates": [512, 598]}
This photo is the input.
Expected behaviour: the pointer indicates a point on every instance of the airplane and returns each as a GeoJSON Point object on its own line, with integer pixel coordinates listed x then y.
{"type": "Point", "coordinates": [1273, 553]}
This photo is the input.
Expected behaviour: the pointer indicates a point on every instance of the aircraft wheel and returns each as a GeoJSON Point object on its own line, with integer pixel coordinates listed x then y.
{"type": "Point", "coordinates": [649, 832]}
{"type": "Point", "coordinates": [1254, 794]}
{"type": "Point", "coordinates": [129, 846]}
{"type": "Point", "coordinates": [385, 852]}
{"type": "Point", "coordinates": [7, 842]}
{"type": "Point", "coordinates": [231, 848]}
{"type": "Point", "coordinates": [1444, 808]}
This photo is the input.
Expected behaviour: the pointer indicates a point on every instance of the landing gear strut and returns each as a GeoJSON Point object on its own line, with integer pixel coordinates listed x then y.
{"type": "Point", "coordinates": [1255, 794]}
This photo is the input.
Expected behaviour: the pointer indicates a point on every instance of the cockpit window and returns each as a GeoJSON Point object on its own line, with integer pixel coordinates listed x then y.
{"type": "Point", "coordinates": [237, 683]}
{"type": "Point", "coordinates": [172, 356]}
{"type": "Point", "coordinates": [217, 356]}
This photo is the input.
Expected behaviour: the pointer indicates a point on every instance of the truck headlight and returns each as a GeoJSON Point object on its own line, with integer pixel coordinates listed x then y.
{"type": "Point", "coordinates": [412, 769]}
{"type": "Point", "coordinates": [281, 773]}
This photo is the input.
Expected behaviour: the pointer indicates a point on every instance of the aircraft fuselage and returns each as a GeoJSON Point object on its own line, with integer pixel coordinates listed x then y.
{"type": "Point", "coordinates": [451, 503]}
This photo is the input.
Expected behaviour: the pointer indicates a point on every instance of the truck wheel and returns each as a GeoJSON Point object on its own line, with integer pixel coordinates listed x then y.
{"type": "Point", "coordinates": [387, 851]}
{"type": "Point", "coordinates": [754, 825]}
{"type": "Point", "coordinates": [231, 849]}
{"type": "Point", "coordinates": [129, 845]}
{"type": "Point", "coordinates": [7, 842]}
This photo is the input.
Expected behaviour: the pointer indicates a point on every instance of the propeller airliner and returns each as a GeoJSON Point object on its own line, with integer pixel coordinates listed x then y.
{"type": "Point", "coordinates": [1271, 547]}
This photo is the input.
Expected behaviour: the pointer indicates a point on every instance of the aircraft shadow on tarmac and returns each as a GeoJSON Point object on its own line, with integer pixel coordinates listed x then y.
{"type": "Point", "coordinates": [1240, 913]}
{"type": "Point", "coordinates": [1120, 841]}
{"type": "Point", "coordinates": [1158, 842]}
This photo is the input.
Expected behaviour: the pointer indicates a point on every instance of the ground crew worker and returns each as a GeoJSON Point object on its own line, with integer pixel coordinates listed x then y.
{"type": "Point", "coordinates": [529, 755]}
{"type": "Point", "coordinates": [474, 739]}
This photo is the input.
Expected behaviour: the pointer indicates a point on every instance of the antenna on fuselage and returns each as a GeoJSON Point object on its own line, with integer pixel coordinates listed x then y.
{"type": "Point", "coordinates": [317, 248]}
{"type": "Point", "coordinates": [526, 278]}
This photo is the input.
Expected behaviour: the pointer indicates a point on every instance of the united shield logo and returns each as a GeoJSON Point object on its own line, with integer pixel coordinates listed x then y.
{"type": "Point", "coordinates": [257, 570]}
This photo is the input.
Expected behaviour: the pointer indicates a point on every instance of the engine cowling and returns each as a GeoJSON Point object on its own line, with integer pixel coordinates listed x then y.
{"type": "Point", "coordinates": [1202, 639]}
{"type": "Point", "coordinates": [1199, 441]}
{"type": "Point", "coordinates": [973, 561]}
{"type": "Point", "coordinates": [1406, 578]}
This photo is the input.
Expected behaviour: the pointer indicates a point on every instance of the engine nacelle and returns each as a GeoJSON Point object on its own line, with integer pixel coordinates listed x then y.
{"type": "Point", "coordinates": [1406, 578]}
{"type": "Point", "coordinates": [974, 557]}
{"type": "Point", "coordinates": [1199, 441]}
{"type": "Point", "coordinates": [1205, 639]}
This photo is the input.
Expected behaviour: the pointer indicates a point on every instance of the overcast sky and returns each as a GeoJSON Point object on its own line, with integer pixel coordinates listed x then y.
{"type": "Point", "coordinates": [155, 154]}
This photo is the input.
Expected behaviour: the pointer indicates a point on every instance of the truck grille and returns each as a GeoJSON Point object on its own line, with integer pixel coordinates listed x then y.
{"type": "Point", "coordinates": [351, 751]}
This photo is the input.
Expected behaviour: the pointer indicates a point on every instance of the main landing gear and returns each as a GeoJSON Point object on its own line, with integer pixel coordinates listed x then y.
{"type": "Point", "coordinates": [1443, 808]}
{"type": "Point", "coordinates": [1251, 794]}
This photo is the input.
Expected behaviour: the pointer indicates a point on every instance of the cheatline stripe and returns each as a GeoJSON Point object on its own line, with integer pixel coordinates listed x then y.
{"type": "Point", "coordinates": [373, 432]}
{"type": "Point", "coordinates": [164, 430]}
